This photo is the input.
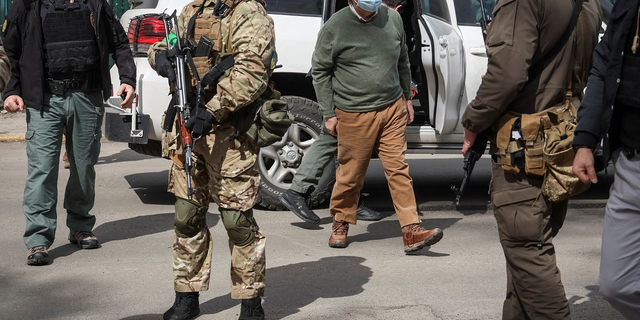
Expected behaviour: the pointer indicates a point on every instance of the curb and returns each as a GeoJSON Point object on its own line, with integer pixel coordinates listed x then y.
{"type": "Point", "coordinates": [12, 138]}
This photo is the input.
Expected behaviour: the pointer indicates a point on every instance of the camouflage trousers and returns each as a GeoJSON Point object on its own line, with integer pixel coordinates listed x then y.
{"type": "Point", "coordinates": [224, 170]}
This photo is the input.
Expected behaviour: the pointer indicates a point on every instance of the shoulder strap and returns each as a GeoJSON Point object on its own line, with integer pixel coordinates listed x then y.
{"type": "Point", "coordinates": [192, 21]}
{"type": "Point", "coordinates": [536, 70]}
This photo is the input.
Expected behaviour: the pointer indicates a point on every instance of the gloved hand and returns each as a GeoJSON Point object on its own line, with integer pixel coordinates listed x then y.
{"type": "Point", "coordinates": [164, 67]}
{"type": "Point", "coordinates": [201, 124]}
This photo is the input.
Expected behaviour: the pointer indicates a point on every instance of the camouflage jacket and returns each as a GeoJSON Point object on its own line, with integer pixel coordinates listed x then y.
{"type": "Point", "coordinates": [5, 68]}
{"type": "Point", "coordinates": [252, 44]}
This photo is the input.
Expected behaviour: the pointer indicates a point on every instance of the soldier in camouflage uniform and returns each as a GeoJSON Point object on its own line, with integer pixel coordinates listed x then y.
{"type": "Point", "coordinates": [5, 68]}
{"type": "Point", "coordinates": [224, 162]}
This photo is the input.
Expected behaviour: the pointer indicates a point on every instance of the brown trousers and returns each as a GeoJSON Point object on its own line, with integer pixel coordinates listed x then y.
{"type": "Point", "coordinates": [359, 134]}
{"type": "Point", "coordinates": [527, 223]}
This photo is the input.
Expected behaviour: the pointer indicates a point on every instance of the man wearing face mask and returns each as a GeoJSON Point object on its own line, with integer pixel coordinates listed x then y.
{"type": "Point", "coordinates": [298, 197]}
{"type": "Point", "coordinates": [362, 80]}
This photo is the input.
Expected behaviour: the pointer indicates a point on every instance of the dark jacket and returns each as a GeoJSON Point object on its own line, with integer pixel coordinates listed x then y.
{"type": "Point", "coordinates": [523, 32]}
{"type": "Point", "coordinates": [597, 111]}
{"type": "Point", "coordinates": [23, 41]}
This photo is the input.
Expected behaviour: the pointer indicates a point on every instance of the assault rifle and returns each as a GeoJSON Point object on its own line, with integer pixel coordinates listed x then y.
{"type": "Point", "coordinates": [470, 158]}
{"type": "Point", "coordinates": [475, 152]}
{"type": "Point", "coordinates": [179, 55]}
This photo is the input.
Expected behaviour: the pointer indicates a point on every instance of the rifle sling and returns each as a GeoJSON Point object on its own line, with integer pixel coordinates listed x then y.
{"type": "Point", "coordinates": [217, 71]}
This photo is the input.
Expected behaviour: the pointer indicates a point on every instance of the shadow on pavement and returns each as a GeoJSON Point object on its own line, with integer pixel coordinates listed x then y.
{"type": "Point", "coordinates": [128, 229]}
{"type": "Point", "coordinates": [55, 298]}
{"type": "Point", "coordinates": [151, 187]}
{"type": "Point", "coordinates": [123, 156]}
{"type": "Point", "coordinates": [295, 286]}
{"type": "Point", "coordinates": [593, 306]}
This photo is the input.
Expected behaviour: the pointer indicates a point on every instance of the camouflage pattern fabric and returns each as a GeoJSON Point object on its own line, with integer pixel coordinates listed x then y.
{"type": "Point", "coordinates": [252, 44]}
{"type": "Point", "coordinates": [5, 68]}
{"type": "Point", "coordinates": [222, 171]}
{"type": "Point", "coordinates": [192, 262]}
{"type": "Point", "coordinates": [248, 269]}
{"type": "Point", "coordinates": [227, 174]}
{"type": "Point", "coordinates": [224, 164]}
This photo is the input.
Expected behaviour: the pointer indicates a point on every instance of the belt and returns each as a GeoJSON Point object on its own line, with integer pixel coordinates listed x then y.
{"type": "Point", "coordinates": [630, 152]}
{"type": "Point", "coordinates": [60, 87]}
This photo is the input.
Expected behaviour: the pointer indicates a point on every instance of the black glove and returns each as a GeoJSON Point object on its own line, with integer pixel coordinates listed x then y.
{"type": "Point", "coordinates": [201, 124]}
{"type": "Point", "coordinates": [164, 67]}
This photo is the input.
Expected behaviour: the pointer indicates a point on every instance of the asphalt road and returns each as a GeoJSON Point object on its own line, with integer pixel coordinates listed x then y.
{"type": "Point", "coordinates": [130, 277]}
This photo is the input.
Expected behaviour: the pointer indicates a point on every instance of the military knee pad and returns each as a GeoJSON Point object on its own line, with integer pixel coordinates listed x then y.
{"type": "Point", "coordinates": [190, 218]}
{"type": "Point", "coordinates": [241, 226]}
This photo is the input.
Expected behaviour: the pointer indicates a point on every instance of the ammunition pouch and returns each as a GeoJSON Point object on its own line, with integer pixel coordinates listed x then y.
{"type": "Point", "coordinates": [271, 122]}
{"type": "Point", "coordinates": [265, 121]}
{"type": "Point", "coordinates": [541, 145]}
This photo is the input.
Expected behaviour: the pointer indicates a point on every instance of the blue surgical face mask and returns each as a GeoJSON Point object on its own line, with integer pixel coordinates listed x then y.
{"type": "Point", "coordinates": [369, 5]}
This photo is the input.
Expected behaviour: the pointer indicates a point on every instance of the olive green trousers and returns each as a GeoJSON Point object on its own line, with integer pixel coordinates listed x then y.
{"type": "Point", "coordinates": [80, 114]}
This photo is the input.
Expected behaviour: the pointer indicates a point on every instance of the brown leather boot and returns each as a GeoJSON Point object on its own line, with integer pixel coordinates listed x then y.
{"type": "Point", "coordinates": [338, 237]}
{"type": "Point", "coordinates": [416, 237]}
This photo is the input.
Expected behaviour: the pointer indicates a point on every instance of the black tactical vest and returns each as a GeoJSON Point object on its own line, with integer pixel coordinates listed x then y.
{"type": "Point", "coordinates": [628, 95]}
{"type": "Point", "coordinates": [69, 37]}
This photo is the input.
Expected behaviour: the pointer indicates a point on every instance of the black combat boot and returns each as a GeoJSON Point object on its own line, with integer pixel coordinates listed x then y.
{"type": "Point", "coordinates": [251, 309]}
{"type": "Point", "coordinates": [186, 307]}
{"type": "Point", "coordinates": [298, 203]}
{"type": "Point", "coordinates": [367, 214]}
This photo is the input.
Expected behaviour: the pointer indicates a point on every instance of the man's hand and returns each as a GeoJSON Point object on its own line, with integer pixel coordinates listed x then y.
{"type": "Point", "coordinates": [13, 104]}
{"type": "Point", "coordinates": [332, 126]}
{"type": "Point", "coordinates": [583, 166]}
{"type": "Point", "coordinates": [128, 89]}
{"type": "Point", "coordinates": [469, 139]}
{"type": "Point", "coordinates": [410, 112]}
{"type": "Point", "coordinates": [164, 67]}
{"type": "Point", "coordinates": [201, 124]}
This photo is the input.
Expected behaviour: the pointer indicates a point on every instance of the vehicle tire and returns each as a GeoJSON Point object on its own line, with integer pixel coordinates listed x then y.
{"type": "Point", "coordinates": [276, 174]}
{"type": "Point", "coordinates": [152, 148]}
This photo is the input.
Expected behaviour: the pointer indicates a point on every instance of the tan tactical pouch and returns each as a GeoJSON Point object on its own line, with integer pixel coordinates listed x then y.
{"type": "Point", "coordinates": [547, 139]}
{"type": "Point", "coordinates": [559, 181]}
{"type": "Point", "coordinates": [531, 141]}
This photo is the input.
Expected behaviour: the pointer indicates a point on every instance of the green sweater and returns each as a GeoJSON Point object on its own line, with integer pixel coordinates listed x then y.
{"type": "Point", "coordinates": [360, 66]}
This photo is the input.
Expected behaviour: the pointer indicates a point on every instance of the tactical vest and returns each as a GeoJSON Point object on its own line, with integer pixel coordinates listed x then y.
{"type": "Point", "coordinates": [209, 26]}
{"type": "Point", "coordinates": [628, 95]}
{"type": "Point", "coordinates": [69, 38]}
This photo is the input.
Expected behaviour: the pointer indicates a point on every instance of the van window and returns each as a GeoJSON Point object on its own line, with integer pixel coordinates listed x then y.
{"type": "Point", "coordinates": [437, 8]}
{"type": "Point", "coordinates": [295, 7]}
{"type": "Point", "coordinates": [468, 12]}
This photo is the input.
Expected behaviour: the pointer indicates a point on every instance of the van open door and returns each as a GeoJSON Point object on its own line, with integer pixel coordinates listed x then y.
{"type": "Point", "coordinates": [442, 57]}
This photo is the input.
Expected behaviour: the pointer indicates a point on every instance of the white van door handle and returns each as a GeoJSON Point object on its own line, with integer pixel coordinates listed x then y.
{"type": "Point", "coordinates": [478, 51]}
{"type": "Point", "coordinates": [443, 42]}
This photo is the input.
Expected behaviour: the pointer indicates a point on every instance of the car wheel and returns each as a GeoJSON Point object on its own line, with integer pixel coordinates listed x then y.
{"type": "Point", "coordinates": [279, 162]}
{"type": "Point", "coordinates": [152, 148]}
